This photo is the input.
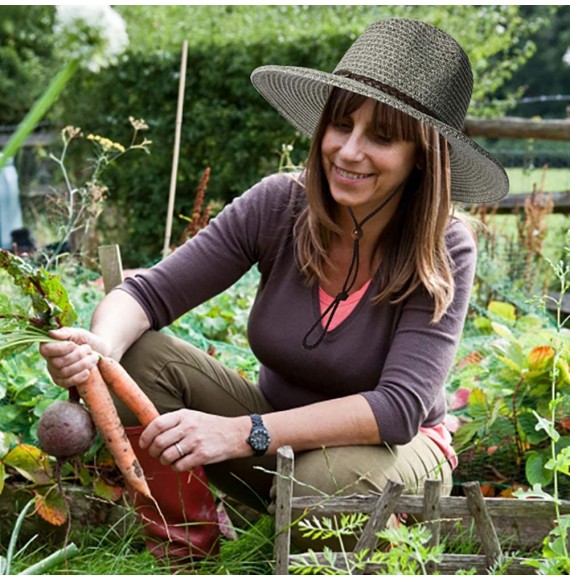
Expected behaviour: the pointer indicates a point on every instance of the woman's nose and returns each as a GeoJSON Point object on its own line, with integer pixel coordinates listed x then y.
{"type": "Point", "coordinates": [352, 146]}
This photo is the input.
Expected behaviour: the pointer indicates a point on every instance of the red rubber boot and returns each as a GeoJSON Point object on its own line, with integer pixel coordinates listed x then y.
{"type": "Point", "coordinates": [188, 529]}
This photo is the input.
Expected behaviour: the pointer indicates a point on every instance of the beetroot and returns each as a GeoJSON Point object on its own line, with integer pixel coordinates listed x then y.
{"type": "Point", "coordinates": [65, 429]}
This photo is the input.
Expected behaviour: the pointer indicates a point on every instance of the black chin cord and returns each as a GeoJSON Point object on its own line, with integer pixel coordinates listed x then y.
{"type": "Point", "coordinates": [350, 279]}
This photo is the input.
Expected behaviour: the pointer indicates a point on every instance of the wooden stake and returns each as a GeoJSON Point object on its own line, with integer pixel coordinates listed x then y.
{"type": "Point", "coordinates": [284, 485]}
{"type": "Point", "coordinates": [176, 154]}
{"type": "Point", "coordinates": [111, 266]}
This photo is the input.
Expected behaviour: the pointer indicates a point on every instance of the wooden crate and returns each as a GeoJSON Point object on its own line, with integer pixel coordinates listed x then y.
{"type": "Point", "coordinates": [432, 509]}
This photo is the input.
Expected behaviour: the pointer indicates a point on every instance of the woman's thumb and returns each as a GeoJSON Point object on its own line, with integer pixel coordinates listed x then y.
{"type": "Point", "coordinates": [64, 334]}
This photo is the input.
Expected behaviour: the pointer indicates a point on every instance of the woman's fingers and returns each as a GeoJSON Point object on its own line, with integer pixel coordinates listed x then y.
{"type": "Point", "coordinates": [73, 368]}
{"type": "Point", "coordinates": [162, 433]}
{"type": "Point", "coordinates": [70, 357]}
{"type": "Point", "coordinates": [187, 438]}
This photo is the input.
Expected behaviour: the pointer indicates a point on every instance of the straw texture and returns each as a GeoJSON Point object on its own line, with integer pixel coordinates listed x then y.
{"type": "Point", "coordinates": [407, 64]}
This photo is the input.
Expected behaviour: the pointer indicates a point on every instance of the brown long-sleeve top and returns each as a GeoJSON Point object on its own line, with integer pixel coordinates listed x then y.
{"type": "Point", "coordinates": [390, 354]}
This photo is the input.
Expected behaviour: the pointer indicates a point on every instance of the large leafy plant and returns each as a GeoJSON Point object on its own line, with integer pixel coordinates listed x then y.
{"type": "Point", "coordinates": [506, 382]}
{"type": "Point", "coordinates": [34, 301]}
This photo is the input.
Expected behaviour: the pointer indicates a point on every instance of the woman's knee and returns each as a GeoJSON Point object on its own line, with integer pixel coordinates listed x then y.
{"type": "Point", "coordinates": [363, 469]}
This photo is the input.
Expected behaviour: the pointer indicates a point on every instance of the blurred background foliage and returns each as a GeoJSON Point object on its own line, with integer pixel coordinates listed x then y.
{"type": "Point", "coordinates": [227, 126]}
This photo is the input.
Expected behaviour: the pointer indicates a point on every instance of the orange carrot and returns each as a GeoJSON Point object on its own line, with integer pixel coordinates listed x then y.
{"type": "Point", "coordinates": [126, 389]}
{"type": "Point", "coordinates": [96, 396]}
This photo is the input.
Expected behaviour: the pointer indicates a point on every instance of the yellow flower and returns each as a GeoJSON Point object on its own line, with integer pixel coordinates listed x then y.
{"type": "Point", "coordinates": [106, 143]}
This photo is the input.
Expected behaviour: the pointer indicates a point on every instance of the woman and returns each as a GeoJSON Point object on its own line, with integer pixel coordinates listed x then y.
{"type": "Point", "coordinates": [364, 286]}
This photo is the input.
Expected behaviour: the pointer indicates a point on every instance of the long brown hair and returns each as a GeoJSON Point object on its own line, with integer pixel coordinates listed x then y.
{"type": "Point", "coordinates": [413, 249]}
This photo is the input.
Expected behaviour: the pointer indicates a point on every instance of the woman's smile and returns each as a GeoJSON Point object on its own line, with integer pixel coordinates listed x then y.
{"type": "Point", "coordinates": [348, 176]}
{"type": "Point", "coordinates": [363, 167]}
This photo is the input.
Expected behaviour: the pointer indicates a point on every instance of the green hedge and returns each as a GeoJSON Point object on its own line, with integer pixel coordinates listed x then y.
{"type": "Point", "coordinates": [227, 125]}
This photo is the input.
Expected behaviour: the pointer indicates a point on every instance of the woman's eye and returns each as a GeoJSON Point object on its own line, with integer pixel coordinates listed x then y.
{"type": "Point", "coordinates": [342, 125]}
{"type": "Point", "coordinates": [382, 138]}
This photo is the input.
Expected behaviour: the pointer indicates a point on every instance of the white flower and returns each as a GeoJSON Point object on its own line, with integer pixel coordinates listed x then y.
{"type": "Point", "coordinates": [95, 35]}
{"type": "Point", "coordinates": [566, 57]}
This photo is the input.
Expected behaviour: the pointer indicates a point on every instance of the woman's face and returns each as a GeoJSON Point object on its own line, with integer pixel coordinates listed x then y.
{"type": "Point", "coordinates": [362, 163]}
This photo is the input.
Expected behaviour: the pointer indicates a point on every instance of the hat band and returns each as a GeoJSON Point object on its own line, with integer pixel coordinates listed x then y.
{"type": "Point", "coordinates": [389, 91]}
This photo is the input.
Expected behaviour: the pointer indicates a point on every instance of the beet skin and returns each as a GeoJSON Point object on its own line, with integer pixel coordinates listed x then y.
{"type": "Point", "coordinates": [65, 429]}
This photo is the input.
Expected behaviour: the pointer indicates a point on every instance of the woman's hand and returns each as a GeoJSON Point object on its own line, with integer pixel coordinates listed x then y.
{"type": "Point", "coordinates": [75, 352]}
{"type": "Point", "coordinates": [186, 439]}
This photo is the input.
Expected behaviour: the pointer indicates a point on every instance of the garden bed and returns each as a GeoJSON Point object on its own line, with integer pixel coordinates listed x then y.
{"type": "Point", "coordinates": [86, 510]}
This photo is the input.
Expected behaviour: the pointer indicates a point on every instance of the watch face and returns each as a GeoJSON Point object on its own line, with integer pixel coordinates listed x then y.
{"type": "Point", "coordinates": [259, 440]}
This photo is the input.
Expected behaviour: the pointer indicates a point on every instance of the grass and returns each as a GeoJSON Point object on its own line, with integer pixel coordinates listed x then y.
{"type": "Point", "coordinates": [119, 550]}
{"type": "Point", "coordinates": [522, 180]}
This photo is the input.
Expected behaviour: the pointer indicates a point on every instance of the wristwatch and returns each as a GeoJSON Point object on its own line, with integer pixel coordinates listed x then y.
{"type": "Point", "coordinates": [259, 438]}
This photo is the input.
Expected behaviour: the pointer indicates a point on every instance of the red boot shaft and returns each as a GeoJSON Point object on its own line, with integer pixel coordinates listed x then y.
{"type": "Point", "coordinates": [188, 528]}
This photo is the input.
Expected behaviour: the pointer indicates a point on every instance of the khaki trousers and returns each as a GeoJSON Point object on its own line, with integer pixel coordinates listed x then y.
{"type": "Point", "coordinates": [176, 375]}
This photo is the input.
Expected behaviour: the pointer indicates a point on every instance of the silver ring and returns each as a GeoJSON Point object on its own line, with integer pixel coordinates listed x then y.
{"type": "Point", "coordinates": [180, 450]}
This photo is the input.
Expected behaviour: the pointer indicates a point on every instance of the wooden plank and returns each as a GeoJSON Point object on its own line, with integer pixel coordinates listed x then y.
{"type": "Point", "coordinates": [516, 201]}
{"type": "Point", "coordinates": [519, 128]}
{"type": "Point", "coordinates": [284, 494]}
{"type": "Point", "coordinates": [449, 563]}
{"type": "Point", "coordinates": [111, 266]}
{"type": "Point", "coordinates": [483, 522]}
{"type": "Point", "coordinates": [432, 510]}
{"type": "Point", "coordinates": [383, 510]}
{"type": "Point", "coordinates": [451, 506]}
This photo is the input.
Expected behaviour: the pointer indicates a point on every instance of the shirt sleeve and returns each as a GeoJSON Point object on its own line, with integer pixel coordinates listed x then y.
{"type": "Point", "coordinates": [422, 353]}
{"type": "Point", "coordinates": [213, 259]}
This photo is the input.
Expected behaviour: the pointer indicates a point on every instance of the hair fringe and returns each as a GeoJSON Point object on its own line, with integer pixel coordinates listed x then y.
{"type": "Point", "coordinates": [413, 247]}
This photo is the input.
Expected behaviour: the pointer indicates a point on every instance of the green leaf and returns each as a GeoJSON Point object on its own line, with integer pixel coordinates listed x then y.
{"type": "Point", "coordinates": [2, 476]}
{"type": "Point", "coordinates": [540, 357]}
{"type": "Point", "coordinates": [526, 422]}
{"type": "Point", "coordinates": [4, 444]}
{"type": "Point", "coordinates": [483, 325]}
{"type": "Point", "coordinates": [50, 305]}
{"type": "Point", "coordinates": [52, 508]}
{"type": "Point", "coordinates": [510, 353]}
{"type": "Point", "coordinates": [504, 310]}
{"type": "Point", "coordinates": [535, 492]}
{"type": "Point", "coordinates": [547, 426]}
{"type": "Point", "coordinates": [107, 491]}
{"type": "Point", "coordinates": [536, 471]}
{"type": "Point", "coordinates": [30, 462]}
{"type": "Point", "coordinates": [561, 463]}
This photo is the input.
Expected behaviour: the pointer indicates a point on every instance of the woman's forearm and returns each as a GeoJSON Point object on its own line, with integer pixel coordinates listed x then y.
{"type": "Point", "coordinates": [120, 321]}
{"type": "Point", "coordinates": [339, 422]}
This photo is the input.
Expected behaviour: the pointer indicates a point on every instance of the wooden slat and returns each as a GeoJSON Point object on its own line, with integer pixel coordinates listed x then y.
{"type": "Point", "coordinates": [485, 529]}
{"type": "Point", "coordinates": [432, 510]}
{"type": "Point", "coordinates": [284, 493]}
{"type": "Point", "coordinates": [111, 266]}
{"type": "Point", "coordinates": [519, 128]}
{"type": "Point", "coordinates": [384, 509]}
{"type": "Point", "coordinates": [450, 563]}
{"type": "Point", "coordinates": [451, 506]}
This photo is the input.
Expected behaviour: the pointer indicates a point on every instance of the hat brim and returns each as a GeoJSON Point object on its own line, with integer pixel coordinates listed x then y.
{"type": "Point", "coordinates": [299, 94]}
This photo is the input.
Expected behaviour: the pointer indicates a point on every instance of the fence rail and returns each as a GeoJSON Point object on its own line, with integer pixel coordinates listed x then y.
{"type": "Point", "coordinates": [510, 203]}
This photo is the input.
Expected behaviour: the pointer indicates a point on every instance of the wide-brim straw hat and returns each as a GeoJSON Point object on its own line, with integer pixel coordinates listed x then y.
{"type": "Point", "coordinates": [411, 66]}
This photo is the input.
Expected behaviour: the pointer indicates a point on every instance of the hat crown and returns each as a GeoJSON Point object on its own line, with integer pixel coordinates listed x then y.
{"type": "Point", "coordinates": [418, 62]}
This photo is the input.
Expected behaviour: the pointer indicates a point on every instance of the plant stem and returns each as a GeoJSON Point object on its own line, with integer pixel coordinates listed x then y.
{"type": "Point", "coordinates": [14, 536]}
{"type": "Point", "coordinates": [52, 560]}
{"type": "Point", "coordinates": [39, 109]}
